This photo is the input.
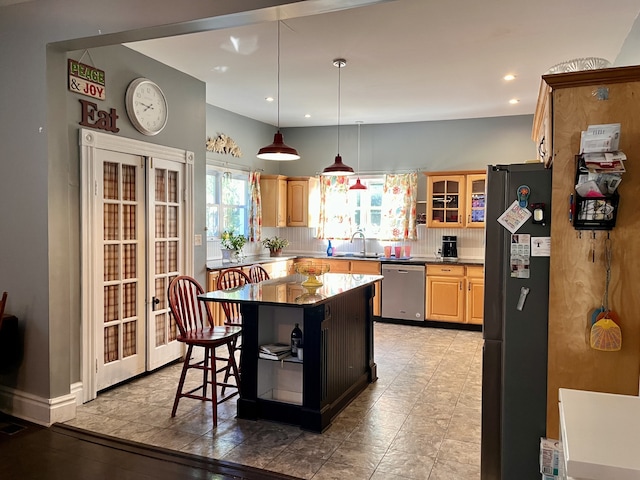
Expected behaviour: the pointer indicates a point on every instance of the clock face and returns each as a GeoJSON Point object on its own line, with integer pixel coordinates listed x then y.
{"type": "Point", "coordinates": [146, 106]}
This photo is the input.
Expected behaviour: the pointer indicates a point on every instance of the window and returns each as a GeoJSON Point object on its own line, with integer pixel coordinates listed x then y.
{"type": "Point", "coordinates": [367, 212]}
{"type": "Point", "coordinates": [227, 202]}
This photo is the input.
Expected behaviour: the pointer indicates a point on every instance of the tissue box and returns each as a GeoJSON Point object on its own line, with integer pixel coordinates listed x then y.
{"type": "Point", "coordinates": [551, 459]}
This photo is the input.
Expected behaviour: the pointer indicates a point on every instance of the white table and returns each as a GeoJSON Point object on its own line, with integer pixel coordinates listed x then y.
{"type": "Point", "coordinates": [600, 435]}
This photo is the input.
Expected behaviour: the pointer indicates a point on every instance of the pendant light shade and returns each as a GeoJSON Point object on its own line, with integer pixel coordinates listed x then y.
{"type": "Point", "coordinates": [278, 150]}
{"type": "Point", "coordinates": [337, 168]}
{"type": "Point", "coordinates": [358, 185]}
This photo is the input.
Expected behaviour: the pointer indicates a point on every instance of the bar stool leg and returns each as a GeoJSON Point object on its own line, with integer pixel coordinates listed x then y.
{"type": "Point", "coordinates": [183, 375]}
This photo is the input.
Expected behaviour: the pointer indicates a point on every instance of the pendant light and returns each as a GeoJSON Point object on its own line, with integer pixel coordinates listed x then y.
{"type": "Point", "coordinates": [338, 168]}
{"type": "Point", "coordinates": [358, 185]}
{"type": "Point", "coordinates": [278, 150]}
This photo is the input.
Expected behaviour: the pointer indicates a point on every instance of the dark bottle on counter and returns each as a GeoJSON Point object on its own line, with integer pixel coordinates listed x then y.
{"type": "Point", "coordinates": [296, 340]}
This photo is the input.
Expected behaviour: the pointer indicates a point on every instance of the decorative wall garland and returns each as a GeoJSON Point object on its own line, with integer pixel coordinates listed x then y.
{"type": "Point", "coordinates": [223, 144]}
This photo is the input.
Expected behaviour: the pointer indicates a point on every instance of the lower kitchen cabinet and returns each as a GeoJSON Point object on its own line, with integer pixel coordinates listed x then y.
{"type": "Point", "coordinates": [475, 295]}
{"type": "Point", "coordinates": [445, 293]}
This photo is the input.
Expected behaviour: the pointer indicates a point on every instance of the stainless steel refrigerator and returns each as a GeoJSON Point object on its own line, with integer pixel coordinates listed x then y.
{"type": "Point", "coordinates": [514, 362]}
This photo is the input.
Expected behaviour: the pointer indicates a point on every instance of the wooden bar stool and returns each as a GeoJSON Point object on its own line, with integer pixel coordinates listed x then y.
{"type": "Point", "coordinates": [197, 330]}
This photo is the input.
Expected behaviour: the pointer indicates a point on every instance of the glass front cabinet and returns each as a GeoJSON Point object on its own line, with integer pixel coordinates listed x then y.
{"type": "Point", "coordinates": [456, 200]}
{"type": "Point", "coordinates": [476, 197]}
{"type": "Point", "coordinates": [445, 201]}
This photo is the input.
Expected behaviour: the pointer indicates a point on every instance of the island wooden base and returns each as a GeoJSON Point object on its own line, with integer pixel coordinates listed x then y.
{"type": "Point", "coordinates": [338, 359]}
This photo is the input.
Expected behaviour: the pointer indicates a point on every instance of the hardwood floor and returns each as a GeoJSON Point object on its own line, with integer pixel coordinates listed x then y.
{"type": "Point", "coordinates": [30, 451]}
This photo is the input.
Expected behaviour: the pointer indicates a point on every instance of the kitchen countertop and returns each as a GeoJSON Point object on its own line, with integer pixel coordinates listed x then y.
{"type": "Point", "coordinates": [253, 259]}
{"type": "Point", "coordinates": [290, 290]}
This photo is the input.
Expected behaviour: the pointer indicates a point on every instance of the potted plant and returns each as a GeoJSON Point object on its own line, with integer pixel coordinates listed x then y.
{"type": "Point", "coordinates": [231, 244]}
{"type": "Point", "coordinates": [275, 245]}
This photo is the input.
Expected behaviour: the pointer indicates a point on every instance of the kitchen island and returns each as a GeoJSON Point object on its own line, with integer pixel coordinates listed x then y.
{"type": "Point", "coordinates": [336, 320]}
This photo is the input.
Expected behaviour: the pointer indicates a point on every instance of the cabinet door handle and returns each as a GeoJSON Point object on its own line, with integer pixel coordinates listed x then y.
{"type": "Point", "coordinates": [469, 286]}
{"type": "Point", "coordinates": [460, 285]}
{"type": "Point", "coordinates": [446, 269]}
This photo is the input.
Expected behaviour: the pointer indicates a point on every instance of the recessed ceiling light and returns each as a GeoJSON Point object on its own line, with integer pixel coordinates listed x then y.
{"type": "Point", "coordinates": [307, 115]}
{"type": "Point", "coordinates": [269, 99]}
{"type": "Point", "coordinates": [509, 77]}
{"type": "Point", "coordinates": [220, 68]}
{"type": "Point", "coordinates": [513, 101]}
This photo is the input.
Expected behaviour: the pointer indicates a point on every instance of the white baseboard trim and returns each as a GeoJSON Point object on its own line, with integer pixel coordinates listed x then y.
{"type": "Point", "coordinates": [43, 411]}
{"type": "Point", "coordinates": [77, 390]}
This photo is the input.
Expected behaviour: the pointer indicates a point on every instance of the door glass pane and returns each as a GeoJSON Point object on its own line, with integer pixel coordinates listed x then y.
{"type": "Point", "coordinates": [173, 256]}
{"type": "Point", "coordinates": [172, 221]}
{"type": "Point", "coordinates": [111, 344]}
{"type": "Point", "coordinates": [129, 183]}
{"type": "Point", "coordinates": [161, 320]}
{"type": "Point", "coordinates": [129, 309]}
{"type": "Point", "coordinates": [173, 187]}
{"type": "Point", "coordinates": [161, 185]}
{"type": "Point", "coordinates": [129, 222]}
{"type": "Point", "coordinates": [110, 222]}
{"type": "Point", "coordinates": [111, 301]}
{"type": "Point", "coordinates": [130, 261]}
{"type": "Point", "coordinates": [129, 344]}
{"type": "Point", "coordinates": [161, 221]}
{"type": "Point", "coordinates": [111, 263]}
{"type": "Point", "coordinates": [110, 181]}
{"type": "Point", "coordinates": [161, 293]}
{"type": "Point", "coordinates": [161, 258]}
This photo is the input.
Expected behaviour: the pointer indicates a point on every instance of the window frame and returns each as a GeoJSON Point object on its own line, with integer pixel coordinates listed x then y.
{"type": "Point", "coordinates": [370, 230]}
{"type": "Point", "coordinates": [218, 172]}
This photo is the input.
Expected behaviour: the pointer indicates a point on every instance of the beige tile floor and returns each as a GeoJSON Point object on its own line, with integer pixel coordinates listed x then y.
{"type": "Point", "coordinates": [420, 420]}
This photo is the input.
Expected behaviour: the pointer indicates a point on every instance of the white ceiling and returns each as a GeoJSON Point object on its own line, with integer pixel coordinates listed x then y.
{"type": "Point", "coordinates": [407, 60]}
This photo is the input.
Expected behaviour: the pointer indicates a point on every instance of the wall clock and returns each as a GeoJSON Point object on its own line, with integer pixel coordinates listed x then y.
{"type": "Point", "coordinates": [146, 106]}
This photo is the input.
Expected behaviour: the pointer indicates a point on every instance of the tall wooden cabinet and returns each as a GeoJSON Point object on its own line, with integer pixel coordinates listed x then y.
{"type": "Point", "coordinates": [273, 190]}
{"type": "Point", "coordinates": [573, 102]}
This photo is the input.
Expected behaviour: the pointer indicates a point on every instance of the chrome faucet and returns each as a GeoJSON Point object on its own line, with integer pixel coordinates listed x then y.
{"type": "Point", "coordinates": [364, 241]}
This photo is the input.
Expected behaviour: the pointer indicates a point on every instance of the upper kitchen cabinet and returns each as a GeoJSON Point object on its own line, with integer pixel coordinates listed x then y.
{"type": "Point", "coordinates": [475, 198]}
{"type": "Point", "coordinates": [303, 201]}
{"type": "Point", "coordinates": [445, 201]}
{"type": "Point", "coordinates": [541, 132]}
{"type": "Point", "coordinates": [456, 199]}
{"type": "Point", "coordinates": [273, 191]}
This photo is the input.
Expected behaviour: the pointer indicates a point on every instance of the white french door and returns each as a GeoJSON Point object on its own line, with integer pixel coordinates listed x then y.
{"type": "Point", "coordinates": [166, 239]}
{"type": "Point", "coordinates": [120, 209]}
{"type": "Point", "coordinates": [136, 212]}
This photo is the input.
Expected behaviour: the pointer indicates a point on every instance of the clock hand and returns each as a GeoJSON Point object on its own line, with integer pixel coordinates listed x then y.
{"type": "Point", "coordinates": [147, 107]}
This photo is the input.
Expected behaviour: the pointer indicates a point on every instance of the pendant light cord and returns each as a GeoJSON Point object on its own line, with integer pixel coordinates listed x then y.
{"type": "Point", "coordinates": [339, 68]}
{"type": "Point", "coordinates": [278, 92]}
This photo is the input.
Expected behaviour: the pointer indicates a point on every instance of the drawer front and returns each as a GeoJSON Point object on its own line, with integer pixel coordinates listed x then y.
{"type": "Point", "coordinates": [475, 272]}
{"type": "Point", "coordinates": [365, 266]}
{"type": "Point", "coordinates": [446, 270]}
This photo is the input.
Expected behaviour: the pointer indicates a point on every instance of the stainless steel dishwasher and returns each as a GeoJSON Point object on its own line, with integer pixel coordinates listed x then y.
{"type": "Point", "coordinates": [403, 292]}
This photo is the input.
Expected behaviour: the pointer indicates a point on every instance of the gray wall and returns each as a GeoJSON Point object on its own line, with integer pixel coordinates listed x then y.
{"type": "Point", "coordinates": [430, 146]}
{"type": "Point", "coordinates": [249, 134]}
{"type": "Point", "coordinates": [38, 198]}
{"type": "Point", "coordinates": [184, 130]}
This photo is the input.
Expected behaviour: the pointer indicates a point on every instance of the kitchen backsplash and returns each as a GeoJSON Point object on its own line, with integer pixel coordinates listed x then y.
{"type": "Point", "coordinates": [302, 240]}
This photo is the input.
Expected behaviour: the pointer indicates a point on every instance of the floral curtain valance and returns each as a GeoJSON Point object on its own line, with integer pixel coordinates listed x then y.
{"type": "Point", "coordinates": [399, 207]}
{"type": "Point", "coordinates": [335, 211]}
{"type": "Point", "coordinates": [255, 208]}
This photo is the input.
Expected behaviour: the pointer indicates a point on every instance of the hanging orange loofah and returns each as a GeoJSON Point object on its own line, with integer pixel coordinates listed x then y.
{"type": "Point", "coordinates": [606, 335]}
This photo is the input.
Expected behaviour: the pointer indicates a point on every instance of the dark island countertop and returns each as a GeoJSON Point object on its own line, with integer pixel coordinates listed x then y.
{"type": "Point", "coordinates": [290, 291]}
